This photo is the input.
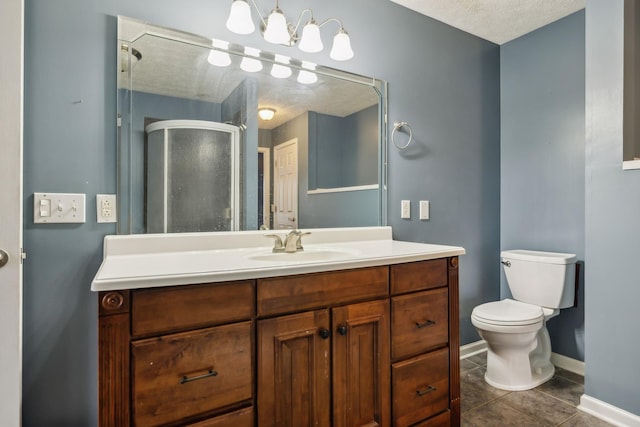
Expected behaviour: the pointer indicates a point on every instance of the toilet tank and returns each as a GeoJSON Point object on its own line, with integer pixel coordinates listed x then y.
{"type": "Point", "coordinates": [546, 279]}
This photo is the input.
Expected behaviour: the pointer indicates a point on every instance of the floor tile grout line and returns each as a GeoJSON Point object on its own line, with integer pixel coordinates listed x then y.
{"type": "Point", "coordinates": [564, 421]}
{"type": "Point", "coordinates": [484, 403]}
{"type": "Point", "coordinates": [513, 406]}
{"type": "Point", "coordinates": [558, 399]}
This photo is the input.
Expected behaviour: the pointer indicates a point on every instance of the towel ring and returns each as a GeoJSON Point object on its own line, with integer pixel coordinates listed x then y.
{"type": "Point", "coordinates": [396, 126]}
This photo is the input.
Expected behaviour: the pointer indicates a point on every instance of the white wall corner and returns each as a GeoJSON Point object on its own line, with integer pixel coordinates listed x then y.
{"type": "Point", "coordinates": [607, 412]}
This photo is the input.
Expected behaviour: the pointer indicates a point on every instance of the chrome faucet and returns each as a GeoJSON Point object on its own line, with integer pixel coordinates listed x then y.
{"type": "Point", "coordinates": [292, 242]}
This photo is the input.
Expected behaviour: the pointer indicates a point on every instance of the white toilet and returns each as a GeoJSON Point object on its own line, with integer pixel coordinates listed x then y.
{"type": "Point", "coordinates": [519, 349]}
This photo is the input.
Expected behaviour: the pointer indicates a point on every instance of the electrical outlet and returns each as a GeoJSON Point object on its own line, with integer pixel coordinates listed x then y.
{"type": "Point", "coordinates": [106, 207]}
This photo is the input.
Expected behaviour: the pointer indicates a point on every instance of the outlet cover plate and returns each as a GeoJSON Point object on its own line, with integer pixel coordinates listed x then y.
{"type": "Point", "coordinates": [106, 208]}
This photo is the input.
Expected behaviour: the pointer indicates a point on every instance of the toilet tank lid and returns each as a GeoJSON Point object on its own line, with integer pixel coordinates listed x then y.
{"type": "Point", "coordinates": [540, 256]}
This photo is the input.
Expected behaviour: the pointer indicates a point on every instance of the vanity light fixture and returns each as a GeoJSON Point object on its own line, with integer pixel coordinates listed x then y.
{"type": "Point", "coordinates": [217, 57]}
{"type": "Point", "coordinates": [280, 71]}
{"type": "Point", "coordinates": [276, 29]}
{"type": "Point", "coordinates": [306, 75]}
{"type": "Point", "coordinates": [250, 62]}
{"type": "Point", "coordinates": [266, 113]}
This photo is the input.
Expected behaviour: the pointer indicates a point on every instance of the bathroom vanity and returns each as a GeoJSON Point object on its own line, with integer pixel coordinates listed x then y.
{"type": "Point", "coordinates": [212, 329]}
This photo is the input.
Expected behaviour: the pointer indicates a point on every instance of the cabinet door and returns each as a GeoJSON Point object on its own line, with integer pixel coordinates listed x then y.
{"type": "Point", "coordinates": [361, 365]}
{"type": "Point", "coordinates": [293, 370]}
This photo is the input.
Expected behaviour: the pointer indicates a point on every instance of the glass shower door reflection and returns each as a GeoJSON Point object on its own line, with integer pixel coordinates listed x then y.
{"type": "Point", "coordinates": [192, 177]}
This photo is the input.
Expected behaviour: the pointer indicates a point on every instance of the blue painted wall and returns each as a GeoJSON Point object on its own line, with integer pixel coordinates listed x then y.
{"type": "Point", "coordinates": [343, 151]}
{"type": "Point", "coordinates": [612, 239]}
{"type": "Point", "coordinates": [444, 82]}
{"type": "Point", "coordinates": [542, 155]}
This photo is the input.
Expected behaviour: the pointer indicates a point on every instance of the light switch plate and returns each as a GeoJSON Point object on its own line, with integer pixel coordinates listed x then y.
{"type": "Point", "coordinates": [405, 209]}
{"type": "Point", "coordinates": [106, 208]}
{"type": "Point", "coordinates": [57, 208]}
{"type": "Point", "coordinates": [424, 210]}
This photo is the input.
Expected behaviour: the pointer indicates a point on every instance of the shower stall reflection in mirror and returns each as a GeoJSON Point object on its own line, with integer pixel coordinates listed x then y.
{"type": "Point", "coordinates": [192, 176]}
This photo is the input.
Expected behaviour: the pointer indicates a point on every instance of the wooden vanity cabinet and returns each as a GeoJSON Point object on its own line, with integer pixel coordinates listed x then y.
{"type": "Point", "coordinates": [375, 346]}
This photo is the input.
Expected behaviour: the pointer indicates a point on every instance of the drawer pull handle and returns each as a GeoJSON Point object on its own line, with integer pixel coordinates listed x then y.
{"type": "Point", "coordinates": [186, 379]}
{"type": "Point", "coordinates": [427, 323]}
{"type": "Point", "coordinates": [427, 390]}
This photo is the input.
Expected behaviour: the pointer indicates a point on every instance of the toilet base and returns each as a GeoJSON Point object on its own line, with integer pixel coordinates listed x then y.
{"type": "Point", "coordinates": [517, 362]}
{"type": "Point", "coordinates": [537, 378]}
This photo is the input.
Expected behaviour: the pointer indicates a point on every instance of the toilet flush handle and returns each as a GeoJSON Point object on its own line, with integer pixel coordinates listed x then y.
{"type": "Point", "coordinates": [506, 263]}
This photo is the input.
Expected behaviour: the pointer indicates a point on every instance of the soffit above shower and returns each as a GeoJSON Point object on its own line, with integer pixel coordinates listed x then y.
{"type": "Point", "coordinates": [498, 21]}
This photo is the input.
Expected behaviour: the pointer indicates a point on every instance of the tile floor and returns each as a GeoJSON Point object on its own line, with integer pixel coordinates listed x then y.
{"type": "Point", "coordinates": [551, 404]}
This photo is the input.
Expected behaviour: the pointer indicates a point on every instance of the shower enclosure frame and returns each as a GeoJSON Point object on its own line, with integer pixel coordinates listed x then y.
{"type": "Point", "coordinates": [233, 131]}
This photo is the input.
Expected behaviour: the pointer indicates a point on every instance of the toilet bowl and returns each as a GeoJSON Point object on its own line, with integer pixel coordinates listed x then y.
{"type": "Point", "coordinates": [519, 348]}
{"type": "Point", "coordinates": [518, 344]}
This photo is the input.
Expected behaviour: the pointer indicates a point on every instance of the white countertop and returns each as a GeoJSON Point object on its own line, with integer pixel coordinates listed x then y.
{"type": "Point", "coordinates": [156, 260]}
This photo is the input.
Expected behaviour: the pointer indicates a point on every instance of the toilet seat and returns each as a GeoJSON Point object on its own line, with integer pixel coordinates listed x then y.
{"type": "Point", "coordinates": [508, 312]}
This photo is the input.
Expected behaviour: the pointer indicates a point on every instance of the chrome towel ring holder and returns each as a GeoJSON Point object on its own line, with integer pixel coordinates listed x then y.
{"type": "Point", "coordinates": [396, 127]}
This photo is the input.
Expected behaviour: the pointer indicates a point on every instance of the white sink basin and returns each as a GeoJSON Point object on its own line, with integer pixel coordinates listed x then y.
{"type": "Point", "coordinates": [308, 255]}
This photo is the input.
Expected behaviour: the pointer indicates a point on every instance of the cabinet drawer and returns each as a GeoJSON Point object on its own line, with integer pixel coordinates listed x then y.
{"type": "Point", "coordinates": [419, 322]}
{"type": "Point", "coordinates": [241, 418]}
{"type": "Point", "coordinates": [183, 375]}
{"type": "Point", "coordinates": [420, 387]}
{"type": "Point", "coordinates": [185, 307]}
{"type": "Point", "coordinates": [297, 293]}
{"type": "Point", "coordinates": [417, 276]}
{"type": "Point", "coordinates": [440, 420]}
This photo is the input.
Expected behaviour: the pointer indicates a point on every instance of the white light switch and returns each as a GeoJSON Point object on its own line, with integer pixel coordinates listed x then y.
{"type": "Point", "coordinates": [405, 209]}
{"type": "Point", "coordinates": [58, 208]}
{"type": "Point", "coordinates": [424, 209]}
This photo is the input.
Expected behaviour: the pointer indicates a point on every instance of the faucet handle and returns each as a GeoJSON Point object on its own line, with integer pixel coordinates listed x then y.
{"type": "Point", "coordinates": [299, 240]}
{"type": "Point", "coordinates": [277, 242]}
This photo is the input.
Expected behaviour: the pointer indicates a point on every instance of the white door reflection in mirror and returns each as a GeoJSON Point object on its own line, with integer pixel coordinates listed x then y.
{"type": "Point", "coordinates": [285, 185]}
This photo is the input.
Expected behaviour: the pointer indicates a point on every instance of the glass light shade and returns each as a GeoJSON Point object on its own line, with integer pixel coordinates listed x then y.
{"type": "Point", "coordinates": [280, 71]}
{"type": "Point", "coordinates": [217, 57]}
{"type": "Point", "coordinates": [310, 40]}
{"type": "Point", "coordinates": [239, 20]}
{"type": "Point", "coordinates": [307, 77]}
{"type": "Point", "coordinates": [276, 31]}
{"type": "Point", "coordinates": [251, 65]}
{"type": "Point", "coordinates": [341, 50]}
{"type": "Point", "coordinates": [266, 113]}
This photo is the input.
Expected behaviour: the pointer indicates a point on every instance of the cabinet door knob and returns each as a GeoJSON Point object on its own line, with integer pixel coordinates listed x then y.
{"type": "Point", "coordinates": [324, 333]}
{"type": "Point", "coordinates": [342, 330]}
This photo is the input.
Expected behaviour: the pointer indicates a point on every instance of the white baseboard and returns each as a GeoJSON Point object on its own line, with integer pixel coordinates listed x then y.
{"type": "Point", "coordinates": [472, 349]}
{"type": "Point", "coordinates": [607, 412]}
{"type": "Point", "coordinates": [567, 363]}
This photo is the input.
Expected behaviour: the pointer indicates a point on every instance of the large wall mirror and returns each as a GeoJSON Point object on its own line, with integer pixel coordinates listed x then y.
{"type": "Point", "coordinates": [214, 136]}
